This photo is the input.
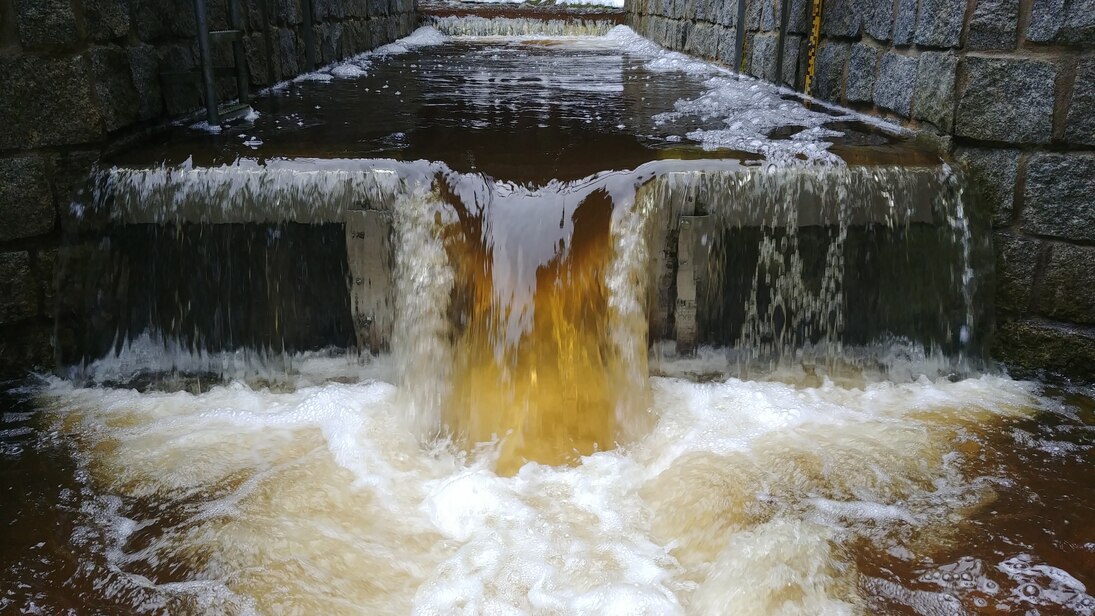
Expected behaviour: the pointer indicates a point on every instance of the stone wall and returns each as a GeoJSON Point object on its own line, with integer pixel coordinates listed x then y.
{"type": "Point", "coordinates": [1009, 85]}
{"type": "Point", "coordinates": [83, 76]}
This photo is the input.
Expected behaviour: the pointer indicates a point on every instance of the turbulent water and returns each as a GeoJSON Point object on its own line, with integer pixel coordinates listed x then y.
{"type": "Point", "coordinates": [692, 387]}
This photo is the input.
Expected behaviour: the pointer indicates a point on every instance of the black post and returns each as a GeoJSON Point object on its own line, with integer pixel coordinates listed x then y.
{"type": "Point", "coordinates": [784, 18]}
{"type": "Point", "coordinates": [207, 62]}
{"type": "Point", "coordinates": [240, 57]}
{"type": "Point", "coordinates": [309, 35]}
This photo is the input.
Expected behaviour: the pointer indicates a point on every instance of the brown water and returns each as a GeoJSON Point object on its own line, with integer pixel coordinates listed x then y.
{"type": "Point", "coordinates": [230, 451]}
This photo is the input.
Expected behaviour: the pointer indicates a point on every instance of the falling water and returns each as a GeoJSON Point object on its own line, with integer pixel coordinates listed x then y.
{"type": "Point", "coordinates": [366, 385]}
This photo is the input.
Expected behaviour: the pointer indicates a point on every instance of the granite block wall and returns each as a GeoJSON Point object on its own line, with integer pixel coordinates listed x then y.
{"type": "Point", "coordinates": [83, 76]}
{"type": "Point", "coordinates": [1008, 85]}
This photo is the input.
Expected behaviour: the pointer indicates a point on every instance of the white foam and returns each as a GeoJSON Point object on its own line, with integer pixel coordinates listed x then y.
{"type": "Point", "coordinates": [740, 492]}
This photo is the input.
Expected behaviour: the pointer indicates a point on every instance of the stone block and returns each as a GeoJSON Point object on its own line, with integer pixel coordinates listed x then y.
{"type": "Point", "coordinates": [378, 8]}
{"type": "Point", "coordinates": [904, 25]}
{"type": "Point", "coordinates": [940, 22]}
{"type": "Point", "coordinates": [18, 289]}
{"type": "Point", "coordinates": [842, 18]}
{"type": "Point", "coordinates": [144, 65]}
{"type": "Point", "coordinates": [893, 88]}
{"type": "Point", "coordinates": [878, 19]}
{"type": "Point", "coordinates": [106, 19]}
{"type": "Point", "coordinates": [1080, 121]}
{"type": "Point", "coordinates": [113, 85]}
{"type": "Point", "coordinates": [287, 53]}
{"type": "Point", "coordinates": [46, 23]}
{"type": "Point", "coordinates": [934, 97]}
{"type": "Point", "coordinates": [762, 63]}
{"type": "Point", "coordinates": [289, 12]}
{"type": "Point", "coordinates": [727, 13]}
{"type": "Point", "coordinates": [1029, 347]}
{"type": "Point", "coordinates": [790, 60]}
{"type": "Point", "coordinates": [994, 25]}
{"type": "Point", "coordinates": [26, 202]}
{"type": "Point", "coordinates": [829, 70]}
{"type": "Point", "coordinates": [1062, 21]}
{"type": "Point", "coordinates": [861, 73]}
{"type": "Point", "coordinates": [753, 10]}
{"type": "Point", "coordinates": [1016, 264]}
{"type": "Point", "coordinates": [798, 21]}
{"type": "Point", "coordinates": [73, 187]}
{"type": "Point", "coordinates": [994, 173]}
{"type": "Point", "coordinates": [703, 40]}
{"type": "Point", "coordinates": [1059, 196]}
{"type": "Point", "coordinates": [1067, 291]}
{"type": "Point", "coordinates": [1008, 100]}
{"type": "Point", "coordinates": [47, 102]}
{"type": "Point", "coordinates": [727, 48]}
{"type": "Point", "coordinates": [769, 21]}
{"type": "Point", "coordinates": [163, 19]}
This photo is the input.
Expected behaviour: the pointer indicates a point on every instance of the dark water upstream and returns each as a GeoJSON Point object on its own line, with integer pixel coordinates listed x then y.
{"type": "Point", "coordinates": [537, 326]}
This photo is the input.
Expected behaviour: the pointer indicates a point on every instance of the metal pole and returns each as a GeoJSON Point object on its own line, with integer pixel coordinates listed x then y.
{"type": "Point", "coordinates": [739, 57]}
{"type": "Point", "coordinates": [309, 36]}
{"type": "Point", "coordinates": [207, 63]}
{"type": "Point", "coordinates": [242, 80]}
{"type": "Point", "coordinates": [784, 18]}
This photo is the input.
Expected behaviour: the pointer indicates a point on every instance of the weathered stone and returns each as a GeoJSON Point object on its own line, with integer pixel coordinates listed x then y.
{"type": "Point", "coordinates": [893, 89]}
{"type": "Point", "coordinates": [287, 52]}
{"type": "Point", "coordinates": [861, 73]}
{"type": "Point", "coordinates": [994, 173]}
{"type": "Point", "coordinates": [1009, 100]}
{"type": "Point", "coordinates": [798, 21]}
{"type": "Point", "coordinates": [289, 11]}
{"type": "Point", "coordinates": [1062, 21]}
{"type": "Point", "coordinates": [762, 64]}
{"type": "Point", "coordinates": [878, 19]}
{"type": "Point", "coordinates": [940, 22]}
{"type": "Point", "coordinates": [769, 21]}
{"type": "Point", "coordinates": [46, 23]}
{"type": "Point", "coordinates": [46, 102]}
{"type": "Point", "coordinates": [727, 13]}
{"type": "Point", "coordinates": [161, 19]}
{"type": "Point", "coordinates": [1080, 121]}
{"type": "Point", "coordinates": [994, 25]}
{"type": "Point", "coordinates": [934, 98]}
{"type": "Point", "coordinates": [790, 60]}
{"type": "Point", "coordinates": [703, 40]}
{"type": "Point", "coordinates": [18, 292]}
{"type": "Point", "coordinates": [829, 70]}
{"type": "Point", "coordinates": [727, 49]}
{"type": "Point", "coordinates": [106, 19]}
{"type": "Point", "coordinates": [144, 64]}
{"type": "Point", "coordinates": [904, 26]}
{"type": "Point", "coordinates": [1059, 198]}
{"type": "Point", "coordinates": [1030, 347]}
{"type": "Point", "coordinates": [1067, 290]}
{"type": "Point", "coordinates": [842, 17]}
{"type": "Point", "coordinates": [114, 91]}
{"type": "Point", "coordinates": [26, 203]}
{"type": "Point", "coordinates": [752, 14]}
{"type": "Point", "coordinates": [1016, 263]}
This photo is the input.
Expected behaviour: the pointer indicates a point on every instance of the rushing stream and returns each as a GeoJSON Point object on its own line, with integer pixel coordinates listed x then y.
{"type": "Point", "coordinates": [400, 365]}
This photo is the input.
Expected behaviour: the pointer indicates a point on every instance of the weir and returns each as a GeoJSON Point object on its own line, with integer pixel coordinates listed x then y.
{"type": "Point", "coordinates": [532, 308]}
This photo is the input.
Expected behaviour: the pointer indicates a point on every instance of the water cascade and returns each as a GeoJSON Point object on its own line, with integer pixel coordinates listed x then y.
{"type": "Point", "coordinates": [636, 337]}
